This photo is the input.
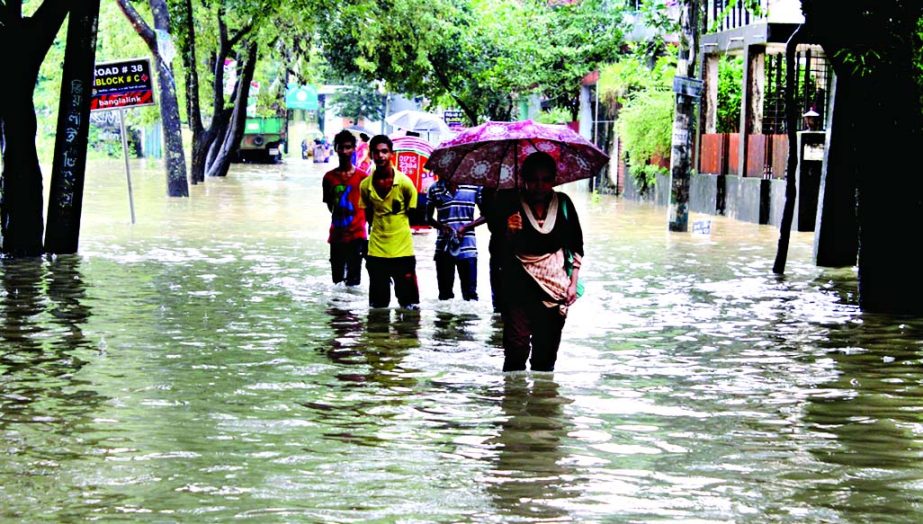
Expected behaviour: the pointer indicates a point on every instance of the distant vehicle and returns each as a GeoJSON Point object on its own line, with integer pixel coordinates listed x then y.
{"type": "Point", "coordinates": [263, 140]}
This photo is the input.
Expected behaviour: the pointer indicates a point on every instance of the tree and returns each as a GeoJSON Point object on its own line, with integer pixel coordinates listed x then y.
{"type": "Point", "coordinates": [65, 202]}
{"type": "Point", "coordinates": [238, 30]}
{"type": "Point", "coordinates": [21, 223]}
{"type": "Point", "coordinates": [157, 38]}
{"type": "Point", "coordinates": [577, 39]}
{"type": "Point", "coordinates": [204, 150]}
{"type": "Point", "coordinates": [475, 54]}
{"type": "Point", "coordinates": [361, 100]}
{"type": "Point", "coordinates": [876, 48]}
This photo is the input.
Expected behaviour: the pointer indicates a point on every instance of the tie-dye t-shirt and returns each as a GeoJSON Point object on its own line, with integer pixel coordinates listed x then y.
{"type": "Point", "coordinates": [348, 218]}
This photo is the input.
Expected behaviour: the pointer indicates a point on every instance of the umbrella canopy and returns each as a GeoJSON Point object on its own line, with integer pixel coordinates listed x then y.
{"type": "Point", "coordinates": [491, 154]}
{"type": "Point", "coordinates": [419, 121]}
{"type": "Point", "coordinates": [355, 128]}
{"type": "Point", "coordinates": [413, 144]}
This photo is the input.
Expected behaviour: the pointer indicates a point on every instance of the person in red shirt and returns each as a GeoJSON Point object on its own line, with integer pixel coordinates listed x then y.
{"type": "Point", "coordinates": [348, 238]}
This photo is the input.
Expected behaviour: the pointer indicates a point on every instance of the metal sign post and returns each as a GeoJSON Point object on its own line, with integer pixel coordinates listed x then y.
{"type": "Point", "coordinates": [131, 197]}
{"type": "Point", "coordinates": [116, 86]}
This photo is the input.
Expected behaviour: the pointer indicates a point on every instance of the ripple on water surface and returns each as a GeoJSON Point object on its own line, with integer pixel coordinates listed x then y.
{"type": "Point", "coordinates": [199, 366]}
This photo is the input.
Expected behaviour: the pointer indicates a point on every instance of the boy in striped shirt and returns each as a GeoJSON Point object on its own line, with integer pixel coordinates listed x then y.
{"type": "Point", "coordinates": [450, 209]}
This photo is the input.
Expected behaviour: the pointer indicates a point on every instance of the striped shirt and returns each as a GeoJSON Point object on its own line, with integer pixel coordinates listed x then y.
{"type": "Point", "coordinates": [454, 210]}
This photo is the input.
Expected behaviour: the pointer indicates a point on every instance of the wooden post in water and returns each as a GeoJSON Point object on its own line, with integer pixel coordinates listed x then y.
{"type": "Point", "coordinates": [65, 203]}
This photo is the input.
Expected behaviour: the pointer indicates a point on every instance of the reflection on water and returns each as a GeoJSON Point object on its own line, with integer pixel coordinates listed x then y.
{"type": "Point", "coordinates": [199, 366]}
{"type": "Point", "coordinates": [532, 471]}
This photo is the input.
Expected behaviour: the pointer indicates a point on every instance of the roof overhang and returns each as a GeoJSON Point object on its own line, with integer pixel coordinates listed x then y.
{"type": "Point", "coordinates": [737, 39]}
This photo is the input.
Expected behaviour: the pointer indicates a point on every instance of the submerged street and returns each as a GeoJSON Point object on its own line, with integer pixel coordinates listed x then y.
{"type": "Point", "coordinates": [199, 366]}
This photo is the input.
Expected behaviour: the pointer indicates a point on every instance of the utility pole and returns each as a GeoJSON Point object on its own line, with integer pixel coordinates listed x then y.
{"type": "Point", "coordinates": [688, 91]}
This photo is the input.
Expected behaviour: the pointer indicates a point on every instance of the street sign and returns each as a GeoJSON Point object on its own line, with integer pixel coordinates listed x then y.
{"type": "Point", "coordinates": [688, 86]}
{"type": "Point", "coordinates": [454, 119]}
{"type": "Point", "coordinates": [122, 84]}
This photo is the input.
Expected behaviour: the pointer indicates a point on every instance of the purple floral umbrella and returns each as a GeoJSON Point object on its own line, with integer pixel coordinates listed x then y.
{"type": "Point", "coordinates": [491, 154]}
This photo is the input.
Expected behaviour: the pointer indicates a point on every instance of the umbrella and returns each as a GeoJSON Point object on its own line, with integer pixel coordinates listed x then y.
{"type": "Point", "coordinates": [359, 129]}
{"type": "Point", "coordinates": [410, 156]}
{"type": "Point", "coordinates": [419, 121]}
{"type": "Point", "coordinates": [413, 144]}
{"type": "Point", "coordinates": [490, 154]}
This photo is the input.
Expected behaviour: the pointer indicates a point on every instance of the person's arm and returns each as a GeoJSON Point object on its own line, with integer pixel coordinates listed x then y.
{"type": "Point", "coordinates": [328, 194]}
{"type": "Point", "coordinates": [574, 242]}
{"type": "Point", "coordinates": [471, 225]}
{"type": "Point", "coordinates": [364, 202]}
{"type": "Point", "coordinates": [432, 218]}
{"type": "Point", "coordinates": [573, 233]}
{"type": "Point", "coordinates": [479, 201]}
{"type": "Point", "coordinates": [411, 193]}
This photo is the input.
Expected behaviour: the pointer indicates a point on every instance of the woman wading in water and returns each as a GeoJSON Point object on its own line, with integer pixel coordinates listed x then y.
{"type": "Point", "coordinates": [544, 234]}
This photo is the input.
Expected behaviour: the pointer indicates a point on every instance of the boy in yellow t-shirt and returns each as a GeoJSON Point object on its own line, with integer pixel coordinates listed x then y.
{"type": "Point", "coordinates": [388, 196]}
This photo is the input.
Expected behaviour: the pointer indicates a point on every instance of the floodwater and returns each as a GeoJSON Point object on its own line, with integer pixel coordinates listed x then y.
{"type": "Point", "coordinates": [199, 366]}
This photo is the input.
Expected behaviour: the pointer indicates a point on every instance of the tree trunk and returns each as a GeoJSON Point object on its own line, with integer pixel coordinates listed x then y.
{"type": "Point", "coordinates": [889, 191]}
{"type": "Point", "coordinates": [65, 202]}
{"type": "Point", "coordinates": [791, 125]}
{"type": "Point", "coordinates": [203, 140]}
{"type": "Point", "coordinates": [889, 111]}
{"type": "Point", "coordinates": [684, 122]}
{"type": "Point", "coordinates": [175, 157]}
{"type": "Point", "coordinates": [230, 143]}
{"type": "Point", "coordinates": [193, 103]}
{"type": "Point", "coordinates": [21, 223]}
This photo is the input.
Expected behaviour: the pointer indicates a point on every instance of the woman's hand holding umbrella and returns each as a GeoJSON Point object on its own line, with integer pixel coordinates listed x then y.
{"type": "Point", "coordinates": [514, 223]}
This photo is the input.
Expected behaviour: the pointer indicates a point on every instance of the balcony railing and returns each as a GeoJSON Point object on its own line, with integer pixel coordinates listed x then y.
{"type": "Point", "coordinates": [724, 15]}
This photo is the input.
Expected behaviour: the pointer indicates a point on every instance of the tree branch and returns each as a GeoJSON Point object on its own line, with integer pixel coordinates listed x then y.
{"type": "Point", "coordinates": [446, 84]}
{"type": "Point", "coordinates": [137, 22]}
{"type": "Point", "coordinates": [12, 11]}
{"type": "Point", "coordinates": [46, 22]}
{"type": "Point", "coordinates": [239, 35]}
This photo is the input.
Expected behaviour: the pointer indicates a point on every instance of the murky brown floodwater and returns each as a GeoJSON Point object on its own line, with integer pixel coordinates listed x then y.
{"type": "Point", "coordinates": [198, 366]}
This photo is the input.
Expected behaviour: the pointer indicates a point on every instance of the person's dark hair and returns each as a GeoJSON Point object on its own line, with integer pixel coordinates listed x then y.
{"type": "Point", "coordinates": [364, 137]}
{"type": "Point", "coordinates": [344, 137]}
{"type": "Point", "coordinates": [381, 139]}
{"type": "Point", "coordinates": [536, 161]}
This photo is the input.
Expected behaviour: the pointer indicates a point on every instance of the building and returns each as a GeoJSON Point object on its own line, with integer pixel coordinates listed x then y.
{"type": "Point", "coordinates": [742, 170]}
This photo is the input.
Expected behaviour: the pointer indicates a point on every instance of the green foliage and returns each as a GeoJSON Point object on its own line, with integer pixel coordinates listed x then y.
{"type": "Point", "coordinates": [646, 117]}
{"type": "Point", "coordinates": [645, 125]}
{"type": "Point", "coordinates": [918, 58]}
{"type": "Point", "coordinates": [621, 80]}
{"type": "Point", "coordinates": [730, 90]}
{"type": "Point", "coordinates": [478, 55]}
{"type": "Point", "coordinates": [646, 175]}
{"type": "Point", "coordinates": [576, 39]}
{"type": "Point", "coordinates": [555, 116]}
{"type": "Point", "coordinates": [359, 101]}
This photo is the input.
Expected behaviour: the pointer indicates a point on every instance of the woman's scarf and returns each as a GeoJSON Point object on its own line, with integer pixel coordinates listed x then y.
{"type": "Point", "coordinates": [548, 269]}
{"type": "Point", "coordinates": [551, 215]}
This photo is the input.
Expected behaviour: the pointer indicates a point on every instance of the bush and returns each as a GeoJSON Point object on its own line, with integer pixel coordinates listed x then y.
{"type": "Point", "coordinates": [730, 89]}
{"type": "Point", "coordinates": [645, 126]}
{"type": "Point", "coordinates": [646, 176]}
{"type": "Point", "coordinates": [554, 116]}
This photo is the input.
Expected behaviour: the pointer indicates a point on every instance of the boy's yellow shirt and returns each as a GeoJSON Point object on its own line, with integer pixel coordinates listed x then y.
{"type": "Point", "coordinates": [390, 236]}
